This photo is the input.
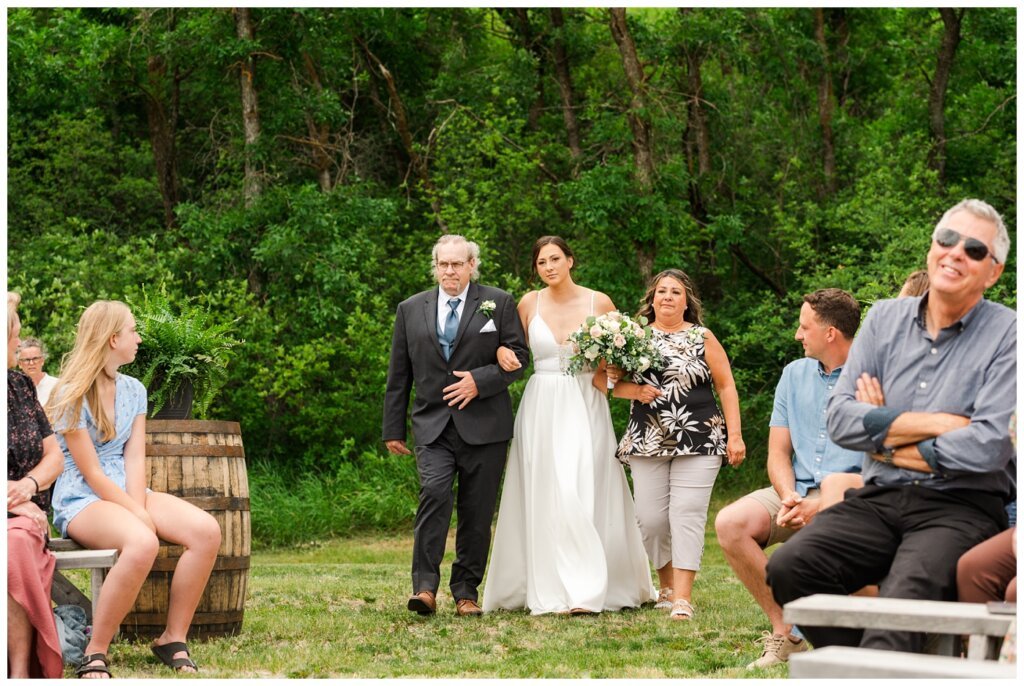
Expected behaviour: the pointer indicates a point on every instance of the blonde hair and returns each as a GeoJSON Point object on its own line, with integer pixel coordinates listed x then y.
{"type": "Point", "coordinates": [13, 300]}
{"type": "Point", "coordinates": [82, 366]}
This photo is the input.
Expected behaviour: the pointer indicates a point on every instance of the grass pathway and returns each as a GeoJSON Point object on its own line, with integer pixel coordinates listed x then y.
{"type": "Point", "coordinates": [338, 610]}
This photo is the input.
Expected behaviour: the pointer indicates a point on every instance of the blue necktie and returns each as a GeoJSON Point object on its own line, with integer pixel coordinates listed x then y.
{"type": "Point", "coordinates": [451, 327]}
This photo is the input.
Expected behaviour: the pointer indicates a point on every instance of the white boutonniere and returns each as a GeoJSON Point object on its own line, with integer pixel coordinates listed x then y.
{"type": "Point", "coordinates": [487, 308]}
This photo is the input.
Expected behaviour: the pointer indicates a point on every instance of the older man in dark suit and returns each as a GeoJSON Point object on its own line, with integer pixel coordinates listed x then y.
{"type": "Point", "coordinates": [445, 343]}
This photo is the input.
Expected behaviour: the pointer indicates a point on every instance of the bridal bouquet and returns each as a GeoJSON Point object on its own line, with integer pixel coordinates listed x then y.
{"type": "Point", "coordinates": [617, 339]}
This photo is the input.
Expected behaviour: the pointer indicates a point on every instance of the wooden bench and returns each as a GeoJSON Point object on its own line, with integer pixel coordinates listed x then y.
{"type": "Point", "coordinates": [70, 555]}
{"type": "Point", "coordinates": [948, 619]}
{"type": "Point", "coordinates": [840, 662]}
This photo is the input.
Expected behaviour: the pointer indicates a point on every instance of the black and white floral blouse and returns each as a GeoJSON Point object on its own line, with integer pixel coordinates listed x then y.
{"type": "Point", "coordinates": [686, 419]}
{"type": "Point", "coordinates": [27, 426]}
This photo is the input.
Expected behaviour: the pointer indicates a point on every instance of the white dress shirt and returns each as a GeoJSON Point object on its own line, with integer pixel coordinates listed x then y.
{"type": "Point", "coordinates": [442, 305]}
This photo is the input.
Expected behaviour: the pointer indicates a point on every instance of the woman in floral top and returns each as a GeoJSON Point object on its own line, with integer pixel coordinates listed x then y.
{"type": "Point", "coordinates": [33, 463]}
{"type": "Point", "coordinates": [677, 437]}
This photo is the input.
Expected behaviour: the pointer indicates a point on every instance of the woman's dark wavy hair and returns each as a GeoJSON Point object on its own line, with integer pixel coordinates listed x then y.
{"type": "Point", "coordinates": [694, 310]}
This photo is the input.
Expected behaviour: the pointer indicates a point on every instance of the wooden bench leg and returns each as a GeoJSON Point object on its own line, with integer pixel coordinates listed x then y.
{"type": "Point", "coordinates": [97, 583]}
{"type": "Point", "coordinates": [981, 647]}
{"type": "Point", "coordinates": [63, 592]}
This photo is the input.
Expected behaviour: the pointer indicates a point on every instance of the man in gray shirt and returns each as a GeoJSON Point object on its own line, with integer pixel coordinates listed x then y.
{"type": "Point", "coordinates": [927, 394]}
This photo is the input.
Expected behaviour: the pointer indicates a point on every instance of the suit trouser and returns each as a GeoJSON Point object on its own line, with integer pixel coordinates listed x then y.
{"type": "Point", "coordinates": [907, 539]}
{"type": "Point", "coordinates": [479, 469]}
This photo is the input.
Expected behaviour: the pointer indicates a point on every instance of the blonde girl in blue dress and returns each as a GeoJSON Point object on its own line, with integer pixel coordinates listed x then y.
{"type": "Point", "coordinates": [101, 499]}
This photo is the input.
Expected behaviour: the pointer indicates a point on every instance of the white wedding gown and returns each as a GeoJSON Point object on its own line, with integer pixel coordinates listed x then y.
{"type": "Point", "coordinates": [567, 535]}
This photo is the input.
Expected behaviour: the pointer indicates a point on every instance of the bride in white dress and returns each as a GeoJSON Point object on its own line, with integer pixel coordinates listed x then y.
{"type": "Point", "coordinates": [567, 538]}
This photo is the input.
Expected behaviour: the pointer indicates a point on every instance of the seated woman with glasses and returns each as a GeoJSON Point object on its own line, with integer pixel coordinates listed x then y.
{"type": "Point", "coordinates": [31, 359]}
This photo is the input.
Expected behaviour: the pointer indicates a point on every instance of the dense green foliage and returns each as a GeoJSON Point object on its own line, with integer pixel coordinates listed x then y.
{"type": "Point", "coordinates": [184, 344]}
{"type": "Point", "coordinates": [788, 151]}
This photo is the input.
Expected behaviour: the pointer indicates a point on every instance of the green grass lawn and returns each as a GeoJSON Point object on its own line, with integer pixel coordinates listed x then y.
{"type": "Point", "coordinates": [338, 610]}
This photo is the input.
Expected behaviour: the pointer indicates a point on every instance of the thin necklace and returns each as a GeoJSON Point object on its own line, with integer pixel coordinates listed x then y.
{"type": "Point", "coordinates": [663, 329]}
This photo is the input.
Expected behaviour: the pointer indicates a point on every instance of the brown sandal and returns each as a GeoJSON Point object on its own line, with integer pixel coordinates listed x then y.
{"type": "Point", "coordinates": [85, 668]}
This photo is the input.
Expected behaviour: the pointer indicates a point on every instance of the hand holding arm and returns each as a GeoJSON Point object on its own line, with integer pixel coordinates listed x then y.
{"type": "Point", "coordinates": [20, 491]}
{"type": "Point", "coordinates": [43, 474]}
{"type": "Point", "coordinates": [507, 359]}
{"type": "Point", "coordinates": [491, 379]}
{"type": "Point", "coordinates": [32, 511]}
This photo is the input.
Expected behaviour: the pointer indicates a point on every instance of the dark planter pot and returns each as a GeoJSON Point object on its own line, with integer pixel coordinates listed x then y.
{"type": "Point", "coordinates": [178, 406]}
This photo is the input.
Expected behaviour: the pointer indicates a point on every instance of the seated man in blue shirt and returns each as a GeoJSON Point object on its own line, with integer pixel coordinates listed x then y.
{"type": "Point", "coordinates": [927, 394]}
{"type": "Point", "coordinates": [800, 455]}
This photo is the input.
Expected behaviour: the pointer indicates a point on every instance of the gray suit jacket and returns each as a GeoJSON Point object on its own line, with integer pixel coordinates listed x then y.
{"type": "Point", "coordinates": [416, 359]}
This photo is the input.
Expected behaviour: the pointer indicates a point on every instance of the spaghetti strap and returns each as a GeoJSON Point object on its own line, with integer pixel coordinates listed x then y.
{"type": "Point", "coordinates": [536, 309]}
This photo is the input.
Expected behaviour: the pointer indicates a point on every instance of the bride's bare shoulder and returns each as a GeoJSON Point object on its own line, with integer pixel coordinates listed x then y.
{"type": "Point", "coordinates": [602, 303]}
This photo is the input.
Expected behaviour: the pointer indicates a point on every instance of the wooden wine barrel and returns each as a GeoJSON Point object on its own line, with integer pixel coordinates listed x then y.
{"type": "Point", "coordinates": [202, 462]}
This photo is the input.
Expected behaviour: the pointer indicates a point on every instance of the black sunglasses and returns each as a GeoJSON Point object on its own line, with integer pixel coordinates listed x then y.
{"type": "Point", "coordinates": [973, 248]}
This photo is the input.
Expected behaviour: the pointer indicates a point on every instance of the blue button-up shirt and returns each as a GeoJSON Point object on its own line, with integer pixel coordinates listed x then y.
{"type": "Point", "coordinates": [969, 369]}
{"type": "Point", "coordinates": [801, 398]}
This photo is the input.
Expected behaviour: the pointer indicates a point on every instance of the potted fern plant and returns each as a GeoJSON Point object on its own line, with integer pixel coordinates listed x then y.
{"type": "Point", "coordinates": [183, 358]}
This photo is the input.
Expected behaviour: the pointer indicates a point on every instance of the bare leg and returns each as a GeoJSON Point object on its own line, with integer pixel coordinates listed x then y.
{"type": "Point", "coordinates": [834, 487]}
{"type": "Point", "coordinates": [107, 525]}
{"type": "Point", "coordinates": [665, 576]}
{"type": "Point", "coordinates": [19, 640]}
{"type": "Point", "coordinates": [180, 522]}
{"type": "Point", "coordinates": [682, 583]}
{"type": "Point", "coordinates": [742, 529]}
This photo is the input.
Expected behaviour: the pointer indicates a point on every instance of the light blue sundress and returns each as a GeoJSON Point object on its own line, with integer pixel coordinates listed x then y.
{"type": "Point", "coordinates": [71, 494]}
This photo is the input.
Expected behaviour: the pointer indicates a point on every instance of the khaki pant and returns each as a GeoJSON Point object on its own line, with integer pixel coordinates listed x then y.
{"type": "Point", "coordinates": [672, 496]}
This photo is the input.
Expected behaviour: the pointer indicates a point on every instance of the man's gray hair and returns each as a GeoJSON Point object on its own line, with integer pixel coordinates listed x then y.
{"type": "Point", "coordinates": [472, 252]}
{"type": "Point", "coordinates": [982, 210]}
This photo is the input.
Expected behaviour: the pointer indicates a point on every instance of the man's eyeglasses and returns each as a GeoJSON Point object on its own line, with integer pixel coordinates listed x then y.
{"type": "Point", "coordinates": [443, 266]}
{"type": "Point", "coordinates": [973, 248]}
{"type": "Point", "coordinates": [30, 360]}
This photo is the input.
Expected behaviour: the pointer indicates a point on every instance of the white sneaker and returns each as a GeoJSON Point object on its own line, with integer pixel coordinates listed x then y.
{"type": "Point", "coordinates": [664, 599]}
{"type": "Point", "coordinates": [777, 649]}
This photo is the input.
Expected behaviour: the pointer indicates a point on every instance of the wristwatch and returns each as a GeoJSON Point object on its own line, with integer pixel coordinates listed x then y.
{"type": "Point", "coordinates": [887, 454]}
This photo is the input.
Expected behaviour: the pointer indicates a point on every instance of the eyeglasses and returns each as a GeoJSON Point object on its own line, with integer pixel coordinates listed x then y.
{"type": "Point", "coordinates": [973, 248]}
{"type": "Point", "coordinates": [30, 360]}
{"type": "Point", "coordinates": [443, 266]}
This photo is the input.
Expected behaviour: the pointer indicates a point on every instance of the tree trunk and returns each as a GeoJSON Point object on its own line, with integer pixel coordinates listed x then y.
{"type": "Point", "coordinates": [162, 119]}
{"type": "Point", "coordinates": [519, 20]}
{"type": "Point", "coordinates": [638, 122]}
{"type": "Point", "coordinates": [643, 153]}
{"type": "Point", "coordinates": [697, 150]}
{"type": "Point", "coordinates": [562, 76]}
{"type": "Point", "coordinates": [397, 107]}
{"type": "Point", "coordinates": [319, 134]}
{"type": "Point", "coordinates": [825, 104]}
{"type": "Point", "coordinates": [952, 20]}
{"type": "Point", "coordinates": [252, 185]}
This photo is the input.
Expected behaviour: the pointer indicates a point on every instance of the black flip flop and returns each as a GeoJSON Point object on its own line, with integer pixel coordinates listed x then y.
{"type": "Point", "coordinates": [85, 668]}
{"type": "Point", "coordinates": [165, 654]}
